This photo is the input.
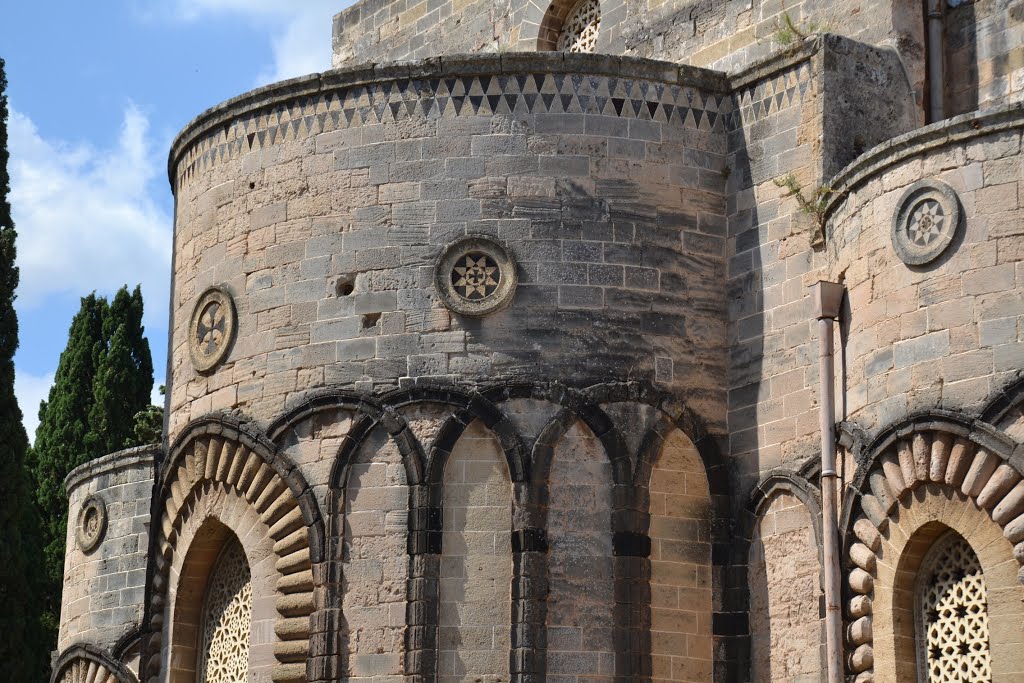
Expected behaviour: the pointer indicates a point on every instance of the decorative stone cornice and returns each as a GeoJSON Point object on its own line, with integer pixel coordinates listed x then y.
{"type": "Point", "coordinates": [956, 130]}
{"type": "Point", "coordinates": [463, 65]}
{"type": "Point", "coordinates": [114, 462]}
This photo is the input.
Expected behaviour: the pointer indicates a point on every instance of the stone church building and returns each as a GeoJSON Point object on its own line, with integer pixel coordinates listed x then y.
{"type": "Point", "coordinates": [499, 353]}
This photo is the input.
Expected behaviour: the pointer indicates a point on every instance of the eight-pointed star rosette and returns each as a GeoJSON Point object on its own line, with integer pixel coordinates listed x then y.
{"type": "Point", "coordinates": [926, 222]}
{"type": "Point", "coordinates": [475, 275]}
{"type": "Point", "coordinates": [212, 328]}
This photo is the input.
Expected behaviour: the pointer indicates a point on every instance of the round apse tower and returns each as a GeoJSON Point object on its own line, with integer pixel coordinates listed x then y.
{"type": "Point", "coordinates": [447, 362]}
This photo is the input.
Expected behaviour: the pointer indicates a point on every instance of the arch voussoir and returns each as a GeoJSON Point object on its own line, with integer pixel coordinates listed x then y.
{"type": "Point", "coordinates": [215, 453]}
{"type": "Point", "coordinates": [969, 458]}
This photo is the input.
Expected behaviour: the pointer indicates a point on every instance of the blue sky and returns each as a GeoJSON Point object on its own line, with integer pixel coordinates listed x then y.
{"type": "Point", "coordinates": [97, 92]}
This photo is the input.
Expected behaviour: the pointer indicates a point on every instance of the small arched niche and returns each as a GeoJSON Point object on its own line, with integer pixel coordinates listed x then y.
{"type": "Point", "coordinates": [680, 564]}
{"type": "Point", "coordinates": [570, 26]}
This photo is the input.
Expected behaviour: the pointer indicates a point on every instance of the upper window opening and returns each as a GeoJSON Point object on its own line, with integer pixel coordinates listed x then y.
{"type": "Point", "coordinates": [227, 617]}
{"type": "Point", "coordinates": [579, 32]}
{"type": "Point", "coordinates": [952, 615]}
{"type": "Point", "coordinates": [571, 27]}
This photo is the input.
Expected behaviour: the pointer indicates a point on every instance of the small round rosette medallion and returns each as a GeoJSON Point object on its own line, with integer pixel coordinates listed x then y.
{"type": "Point", "coordinates": [475, 275]}
{"type": "Point", "coordinates": [926, 222]}
{"type": "Point", "coordinates": [212, 329]}
{"type": "Point", "coordinates": [92, 523]}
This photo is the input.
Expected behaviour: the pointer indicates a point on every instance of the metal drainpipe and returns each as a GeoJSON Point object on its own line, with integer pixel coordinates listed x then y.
{"type": "Point", "coordinates": [936, 65]}
{"type": "Point", "coordinates": [828, 297]}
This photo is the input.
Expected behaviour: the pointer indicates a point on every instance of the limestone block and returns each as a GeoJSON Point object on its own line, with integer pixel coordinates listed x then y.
{"type": "Point", "coordinates": [859, 632]}
{"type": "Point", "coordinates": [862, 658]}
{"type": "Point", "coordinates": [867, 533]}
{"type": "Point", "coordinates": [921, 446]}
{"type": "Point", "coordinates": [1001, 482]}
{"type": "Point", "coordinates": [960, 458]}
{"type": "Point", "coordinates": [894, 473]}
{"type": "Point", "coordinates": [981, 469]}
{"type": "Point", "coordinates": [905, 453]}
{"type": "Point", "coordinates": [861, 581]}
{"type": "Point", "coordinates": [859, 606]}
{"type": "Point", "coordinates": [862, 556]}
{"type": "Point", "coordinates": [941, 448]}
{"type": "Point", "coordinates": [1011, 506]}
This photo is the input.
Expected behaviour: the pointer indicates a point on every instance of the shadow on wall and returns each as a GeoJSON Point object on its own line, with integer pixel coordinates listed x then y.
{"type": "Point", "coordinates": [960, 56]}
{"type": "Point", "coordinates": [938, 39]}
{"type": "Point", "coordinates": [785, 592]}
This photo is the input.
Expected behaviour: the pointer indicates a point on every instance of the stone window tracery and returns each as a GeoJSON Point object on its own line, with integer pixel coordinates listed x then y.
{"type": "Point", "coordinates": [227, 617]}
{"type": "Point", "coordinates": [952, 615]}
{"type": "Point", "coordinates": [579, 31]}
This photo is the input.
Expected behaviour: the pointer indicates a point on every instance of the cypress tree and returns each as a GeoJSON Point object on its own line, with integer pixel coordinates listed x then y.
{"type": "Point", "coordinates": [21, 648]}
{"type": "Point", "coordinates": [103, 382]}
{"type": "Point", "coordinates": [124, 375]}
{"type": "Point", "coordinates": [63, 443]}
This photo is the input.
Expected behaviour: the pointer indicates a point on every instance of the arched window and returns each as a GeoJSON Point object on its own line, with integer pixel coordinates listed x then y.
{"type": "Point", "coordinates": [227, 616]}
{"type": "Point", "coordinates": [952, 615]}
{"type": "Point", "coordinates": [570, 27]}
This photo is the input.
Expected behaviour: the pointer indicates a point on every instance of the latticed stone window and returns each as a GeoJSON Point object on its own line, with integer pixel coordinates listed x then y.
{"type": "Point", "coordinates": [952, 615]}
{"type": "Point", "coordinates": [579, 32]}
{"type": "Point", "coordinates": [227, 616]}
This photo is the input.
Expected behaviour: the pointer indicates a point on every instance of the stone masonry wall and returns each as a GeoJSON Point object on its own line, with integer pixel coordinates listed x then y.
{"type": "Point", "coordinates": [721, 34]}
{"type": "Point", "coordinates": [985, 54]}
{"type": "Point", "coordinates": [580, 604]}
{"type": "Point", "coordinates": [785, 625]}
{"type": "Point", "coordinates": [772, 401]}
{"type": "Point", "coordinates": [322, 205]}
{"type": "Point", "coordinates": [103, 594]}
{"type": "Point", "coordinates": [948, 334]}
{"type": "Point", "coordinates": [680, 565]}
{"type": "Point", "coordinates": [474, 600]}
{"type": "Point", "coordinates": [850, 96]}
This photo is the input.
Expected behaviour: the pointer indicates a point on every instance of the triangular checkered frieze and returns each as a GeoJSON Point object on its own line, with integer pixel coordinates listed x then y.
{"type": "Point", "coordinates": [449, 97]}
{"type": "Point", "coordinates": [770, 95]}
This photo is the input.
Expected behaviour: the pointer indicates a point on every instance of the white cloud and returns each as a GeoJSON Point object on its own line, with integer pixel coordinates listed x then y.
{"type": "Point", "coordinates": [86, 219]}
{"type": "Point", "coordinates": [300, 31]}
{"type": "Point", "coordinates": [30, 390]}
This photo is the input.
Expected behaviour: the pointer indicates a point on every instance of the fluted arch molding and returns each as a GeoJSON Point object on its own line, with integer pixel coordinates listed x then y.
{"type": "Point", "coordinates": [84, 661]}
{"type": "Point", "coordinates": [936, 448]}
{"type": "Point", "coordinates": [220, 450]}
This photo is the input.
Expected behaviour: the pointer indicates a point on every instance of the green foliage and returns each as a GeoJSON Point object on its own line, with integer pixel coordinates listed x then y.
{"type": "Point", "coordinates": [124, 376]}
{"type": "Point", "coordinates": [147, 427]}
{"type": "Point", "coordinates": [788, 33]}
{"type": "Point", "coordinates": [22, 649]}
{"type": "Point", "coordinates": [103, 380]}
{"type": "Point", "coordinates": [813, 205]}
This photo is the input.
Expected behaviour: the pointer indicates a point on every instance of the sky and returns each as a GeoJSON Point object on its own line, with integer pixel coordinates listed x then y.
{"type": "Point", "coordinates": [97, 91]}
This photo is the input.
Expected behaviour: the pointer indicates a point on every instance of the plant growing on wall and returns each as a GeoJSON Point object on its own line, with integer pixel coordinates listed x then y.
{"type": "Point", "coordinates": [812, 204]}
{"type": "Point", "coordinates": [789, 33]}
